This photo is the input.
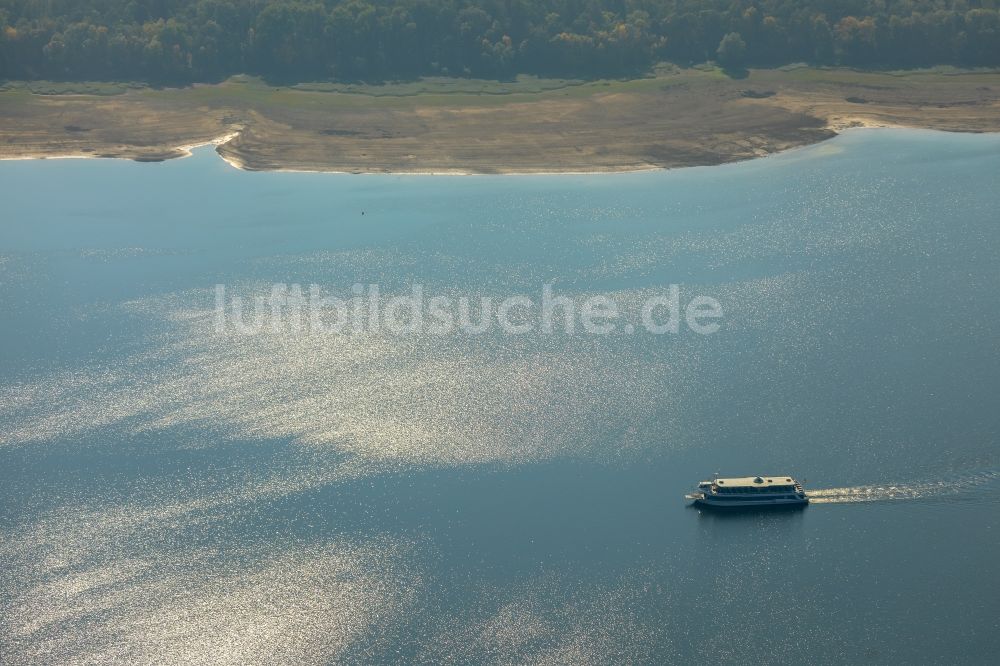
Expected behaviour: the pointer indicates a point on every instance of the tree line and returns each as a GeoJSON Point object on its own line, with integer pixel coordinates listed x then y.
{"type": "Point", "coordinates": [183, 41]}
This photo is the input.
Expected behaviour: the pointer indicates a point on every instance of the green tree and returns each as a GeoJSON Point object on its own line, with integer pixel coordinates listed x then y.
{"type": "Point", "coordinates": [290, 41]}
{"type": "Point", "coordinates": [822, 40]}
{"type": "Point", "coordinates": [182, 41]}
{"type": "Point", "coordinates": [732, 51]}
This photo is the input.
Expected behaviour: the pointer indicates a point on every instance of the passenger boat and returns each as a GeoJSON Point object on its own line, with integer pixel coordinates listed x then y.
{"type": "Point", "coordinates": [749, 491]}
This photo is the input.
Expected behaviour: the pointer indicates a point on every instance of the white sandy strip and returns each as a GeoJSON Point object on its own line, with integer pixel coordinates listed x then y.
{"type": "Point", "coordinates": [39, 156]}
{"type": "Point", "coordinates": [217, 141]}
{"type": "Point", "coordinates": [239, 164]}
{"type": "Point", "coordinates": [839, 124]}
{"type": "Point", "coordinates": [184, 150]}
{"type": "Point", "coordinates": [455, 172]}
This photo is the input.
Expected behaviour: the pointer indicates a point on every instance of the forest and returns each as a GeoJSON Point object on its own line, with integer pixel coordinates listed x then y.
{"type": "Point", "coordinates": [185, 41]}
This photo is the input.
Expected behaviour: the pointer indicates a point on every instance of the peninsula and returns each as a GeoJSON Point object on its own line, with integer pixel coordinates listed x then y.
{"type": "Point", "coordinates": [673, 117]}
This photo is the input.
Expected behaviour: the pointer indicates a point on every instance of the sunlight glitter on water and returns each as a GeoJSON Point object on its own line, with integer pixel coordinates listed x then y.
{"type": "Point", "coordinates": [304, 606]}
{"type": "Point", "coordinates": [419, 399]}
{"type": "Point", "coordinates": [176, 495]}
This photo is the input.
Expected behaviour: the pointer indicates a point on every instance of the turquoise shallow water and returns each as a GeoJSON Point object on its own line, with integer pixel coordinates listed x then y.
{"type": "Point", "coordinates": [173, 494]}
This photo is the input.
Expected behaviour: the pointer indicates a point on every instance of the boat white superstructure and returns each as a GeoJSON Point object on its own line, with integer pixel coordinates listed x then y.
{"type": "Point", "coordinates": [749, 491]}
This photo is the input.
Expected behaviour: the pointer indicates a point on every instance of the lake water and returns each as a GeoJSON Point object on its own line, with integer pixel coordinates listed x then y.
{"type": "Point", "coordinates": [172, 493]}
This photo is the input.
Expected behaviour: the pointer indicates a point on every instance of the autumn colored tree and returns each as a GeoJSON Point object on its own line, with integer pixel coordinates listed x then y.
{"type": "Point", "coordinates": [732, 50]}
{"type": "Point", "coordinates": [180, 41]}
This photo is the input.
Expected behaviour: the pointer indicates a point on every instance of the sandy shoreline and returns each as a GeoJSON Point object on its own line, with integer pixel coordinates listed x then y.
{"type": "Point", "coordinates": [182, 151]}
{"type": "Point", "coordinates": [684, 118]}
{"type": "Point", "coordinates": [237, 164]}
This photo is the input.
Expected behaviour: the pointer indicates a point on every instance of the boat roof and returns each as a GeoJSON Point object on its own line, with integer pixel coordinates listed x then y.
{"type": "Point", "coordinates": [754, 481]}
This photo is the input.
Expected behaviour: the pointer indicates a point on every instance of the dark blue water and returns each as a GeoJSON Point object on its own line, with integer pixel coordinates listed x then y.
{"type": "Point", "coordinates": [172, 494]}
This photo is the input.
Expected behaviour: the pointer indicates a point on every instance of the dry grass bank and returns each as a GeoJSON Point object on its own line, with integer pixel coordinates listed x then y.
{"type": "Point", "coordinates": [675, 118]}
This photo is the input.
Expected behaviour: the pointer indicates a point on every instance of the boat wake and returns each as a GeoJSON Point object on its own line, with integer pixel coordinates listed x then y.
{"type": "Point", "coordinates": [963, 487]}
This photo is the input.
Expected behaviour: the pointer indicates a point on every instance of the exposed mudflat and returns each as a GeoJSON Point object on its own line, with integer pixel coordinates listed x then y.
{"type": "Point", "coordinates": [677, 118]}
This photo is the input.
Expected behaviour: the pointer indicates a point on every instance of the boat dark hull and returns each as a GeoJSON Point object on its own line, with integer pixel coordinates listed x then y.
{"type": "Point", "coordinates": [755, 505]}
